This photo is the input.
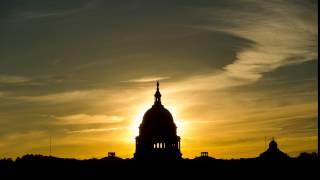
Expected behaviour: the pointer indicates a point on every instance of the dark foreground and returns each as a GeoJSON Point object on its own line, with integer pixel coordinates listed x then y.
{"type": "Point", "coordinates": [42, 167]}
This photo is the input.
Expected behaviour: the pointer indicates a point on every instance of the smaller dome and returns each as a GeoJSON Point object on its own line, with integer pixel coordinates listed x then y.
{"type": "Point", "coordinates": [273, 144]}
{"type": "Point", "coordinates": [273, 153]}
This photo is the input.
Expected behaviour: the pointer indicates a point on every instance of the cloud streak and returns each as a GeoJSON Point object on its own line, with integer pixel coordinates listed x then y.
{"type": "Point", "coordinates": [147, 79]}
{"type": "Point", "coordinates": [40, 14]}
{"type": "Point", "coordinates": [94, 130]}
{"type": "Point", "coordinates": [281, 36]}
{"type": "Point", "coordinates": [13, 79]}
{"type": "Point", "coordinates": [62, 97]}
{"type": "Point", "coordinates": [88, 119]}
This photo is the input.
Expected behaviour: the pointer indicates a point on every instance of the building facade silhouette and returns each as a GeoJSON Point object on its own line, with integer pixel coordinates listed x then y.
{"type": "Point", "coordinates": [157, 134]}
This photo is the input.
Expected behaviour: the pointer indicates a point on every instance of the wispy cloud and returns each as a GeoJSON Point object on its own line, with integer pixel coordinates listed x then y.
{"type": "Point", "coordinates": [282, 36]}
{"type": "Point", "coordinates": [147, 79]}
{"type": "Point", "coordinates": [94, 130]}
{"type": "Point", "coordinates": [94, 3]}
{"type": "Point", "coordinates": [61, 97]}
{"type": "Point", "coordinates": [88, 119]}
{"type": "Point", "coordinates": [13, 79]}
{"type": "Point", "coordinates": [38, 14]}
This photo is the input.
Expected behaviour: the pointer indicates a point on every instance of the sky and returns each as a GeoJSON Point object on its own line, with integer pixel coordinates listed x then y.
{"type": "Point", "coordinates": [233, 74]}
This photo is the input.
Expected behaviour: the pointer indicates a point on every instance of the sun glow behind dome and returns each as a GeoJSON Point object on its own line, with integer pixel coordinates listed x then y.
{"type": "Point", "coordinates": [137, 119]}
{"type": "Point", "coordinates": [180, 123]}
{"type": "Point", "coordinates": [143, 107]}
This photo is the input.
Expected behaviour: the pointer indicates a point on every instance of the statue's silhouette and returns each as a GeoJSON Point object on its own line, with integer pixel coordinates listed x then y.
{"type": "Point", "coordinates": [157, 134]}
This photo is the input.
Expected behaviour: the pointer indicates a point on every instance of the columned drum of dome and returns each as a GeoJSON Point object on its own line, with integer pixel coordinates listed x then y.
{"type": "Point", "coordinates": [157, 134]}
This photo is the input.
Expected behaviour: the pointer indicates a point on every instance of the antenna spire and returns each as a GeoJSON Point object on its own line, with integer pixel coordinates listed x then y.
{"type": "Point", "coordinates": [50, 147]}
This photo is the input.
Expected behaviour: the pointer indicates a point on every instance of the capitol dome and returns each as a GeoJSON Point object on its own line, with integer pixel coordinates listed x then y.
{"type": "Point", "coordinates": [157, 122]}
{"type": "Point", "coordinates": [157, 133]}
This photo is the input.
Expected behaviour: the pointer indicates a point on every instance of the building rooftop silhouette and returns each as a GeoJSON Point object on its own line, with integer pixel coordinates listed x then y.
{"type": "Point", "coordinates": [157, 133]}
{"type": "Point", "coordinates": [273, 152]}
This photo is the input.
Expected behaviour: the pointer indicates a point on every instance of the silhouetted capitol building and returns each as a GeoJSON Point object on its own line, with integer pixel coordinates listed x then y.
{"type": "Point", "coordinates": [273, 152]}
{"type": "Point", "coordinates": [158, 137]}
{"type": "Point", "coordinates": [157, 133]}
